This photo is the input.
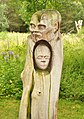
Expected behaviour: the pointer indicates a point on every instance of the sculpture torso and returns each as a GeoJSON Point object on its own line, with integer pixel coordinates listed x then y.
{"type": "Point", "coordinates": [40, 95]}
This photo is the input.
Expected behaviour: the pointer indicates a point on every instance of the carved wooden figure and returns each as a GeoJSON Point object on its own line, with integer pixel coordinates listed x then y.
{"type": "Point", "coordinates": [43, 66]}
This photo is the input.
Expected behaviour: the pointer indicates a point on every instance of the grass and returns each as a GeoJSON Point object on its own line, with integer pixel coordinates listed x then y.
{"type": "Point", "coordinates": [70, 109]}
{"type": "Point", "coordinates": [10, 39]}
{"type": "Point", "coordinates": [9, 109]}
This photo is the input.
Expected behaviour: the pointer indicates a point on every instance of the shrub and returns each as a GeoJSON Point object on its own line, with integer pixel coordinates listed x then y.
{"type": "Point", "coordinates": [3, 19]}
{"type": "Point", "coordinates": [73, 71]}
{"type": "Point", "coordinates": [11, 66]}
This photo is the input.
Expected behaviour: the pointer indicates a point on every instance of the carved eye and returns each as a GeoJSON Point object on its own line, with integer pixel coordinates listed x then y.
{"type": "Point", "coordinates": [56, 24]}
{"type": "Point", "coordinates": [46, 57]}
{"type": "Point", "coordinates": [41, 27]}
{"type": "Point", "coordinates": [39, 57]}
{"type": "Point", "coordinates": [32, 26]}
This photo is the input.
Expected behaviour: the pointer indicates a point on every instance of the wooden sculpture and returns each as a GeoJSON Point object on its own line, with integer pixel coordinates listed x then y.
{"type": "Point", "coordinates": [43, 67]}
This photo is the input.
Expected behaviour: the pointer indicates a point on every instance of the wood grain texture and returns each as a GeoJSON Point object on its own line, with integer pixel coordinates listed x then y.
{"type": "Point", "coordinates": [41, 87]}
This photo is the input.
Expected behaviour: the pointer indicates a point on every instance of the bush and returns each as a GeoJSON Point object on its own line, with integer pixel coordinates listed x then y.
{"type": "Point", "coordinates": [11, 66]}
{"type": "Point", "coordinates": [73, 70]}
{"type": "Point", "coordinates": [3, 19]}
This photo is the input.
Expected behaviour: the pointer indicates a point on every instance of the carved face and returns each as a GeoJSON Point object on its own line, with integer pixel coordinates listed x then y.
{"type": "Point", "coordinates": [42, 56]}
{"type": "Point", "coordinates": [44, 25]}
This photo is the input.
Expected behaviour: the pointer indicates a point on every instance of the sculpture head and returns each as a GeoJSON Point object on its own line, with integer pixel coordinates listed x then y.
{"type": "Point", "coordinates": [45, 24]}
{"type": "Point", "coordinates": [42, 55]}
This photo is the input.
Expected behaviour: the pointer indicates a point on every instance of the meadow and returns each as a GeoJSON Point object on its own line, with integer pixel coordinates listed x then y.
{"type": "Point", "coordinates": [12, 58]}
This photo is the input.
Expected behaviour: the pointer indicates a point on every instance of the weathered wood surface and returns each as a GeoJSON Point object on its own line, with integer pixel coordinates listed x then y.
{"type": "Point", "coordinates": [55, 76]}
{"type": "Point", "coordinates": [41, 88]}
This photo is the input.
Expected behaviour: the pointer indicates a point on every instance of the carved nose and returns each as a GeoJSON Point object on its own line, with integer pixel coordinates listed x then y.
{"type": "Point", "coordinates": [36, 29]}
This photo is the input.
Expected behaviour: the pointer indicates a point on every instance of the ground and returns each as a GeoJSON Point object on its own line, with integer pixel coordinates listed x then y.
{"type": "Point", "coordinates": [9, 109]}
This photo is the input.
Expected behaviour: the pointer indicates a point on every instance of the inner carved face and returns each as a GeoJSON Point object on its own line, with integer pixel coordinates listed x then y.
{"type": "Point", "coordinates": [42, 56]}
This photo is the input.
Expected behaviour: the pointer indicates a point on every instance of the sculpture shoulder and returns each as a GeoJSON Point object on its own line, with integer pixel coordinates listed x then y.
{"type": "Point", "coordinates": [29, 39]}
{"type": "Point", "coordinates": [30, 43]}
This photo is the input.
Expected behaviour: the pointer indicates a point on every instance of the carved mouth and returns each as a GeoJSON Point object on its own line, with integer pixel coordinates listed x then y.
{"type": "Point", "coordinates": [37, 34]}
{"type": "Point", "coordinates": [43, 65]}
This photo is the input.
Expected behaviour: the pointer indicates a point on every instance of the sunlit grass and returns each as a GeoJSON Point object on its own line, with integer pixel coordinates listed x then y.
{"type": "Point", "coordinates": [10, 39]}
{"type": "Point", "coordinates": [9, 109]}
{"type": "Point", "coordinates": [70, 109]}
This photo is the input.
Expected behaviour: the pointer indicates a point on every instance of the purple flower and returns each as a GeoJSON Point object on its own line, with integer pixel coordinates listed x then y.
{"type": "Point", "coordinates": [11, 54]}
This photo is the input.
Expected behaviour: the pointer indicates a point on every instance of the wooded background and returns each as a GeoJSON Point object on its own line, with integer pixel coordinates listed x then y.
{"type": "Point", "coordinates": [15, 14]}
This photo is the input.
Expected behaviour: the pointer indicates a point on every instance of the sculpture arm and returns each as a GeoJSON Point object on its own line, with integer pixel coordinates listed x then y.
{"type": "Point", "coordinates": [26, 77]}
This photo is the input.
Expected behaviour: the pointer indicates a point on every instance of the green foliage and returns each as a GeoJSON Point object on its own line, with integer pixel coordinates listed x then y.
{"type": "Point", "coordinates": [3, 18]}
{"type": "Point", "coordinates": [70, 11]}
{"type": "Point", "coordinates": [14, 20]}
{"type": "Point", "coordinates": [73, 69]}
{"type": "Point", "coordinates": [11, 66]}
{"type": "Point", "coordinates": [19, 12]}
{"type": "Point", "coordinates": [3, 35]}
{"type": "Point", "coordinates": [27, 8]}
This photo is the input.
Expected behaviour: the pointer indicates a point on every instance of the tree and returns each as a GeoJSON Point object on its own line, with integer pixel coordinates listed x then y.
{"type": "Point", "coordinates": [3, 18]}
{"type": "Point", "coordinates": [19, 12]}
{"type": "Point", "coordinates": [70, 10]}
{"type": "Point", "coordinates": [14, 20]}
